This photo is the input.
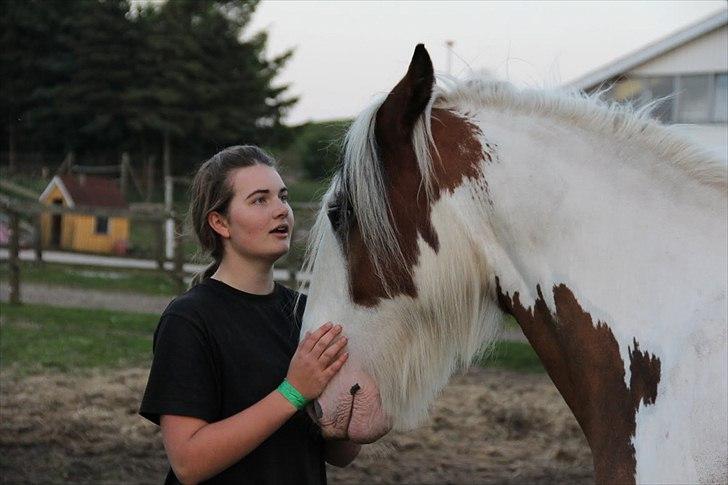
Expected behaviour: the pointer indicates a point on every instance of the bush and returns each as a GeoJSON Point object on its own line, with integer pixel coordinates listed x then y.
{"type": "Point", "coordinates": [319, 147]}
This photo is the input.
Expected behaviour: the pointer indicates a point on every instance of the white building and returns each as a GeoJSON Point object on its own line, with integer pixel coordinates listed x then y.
{"type": "Point", "coordinates": [692, 66]}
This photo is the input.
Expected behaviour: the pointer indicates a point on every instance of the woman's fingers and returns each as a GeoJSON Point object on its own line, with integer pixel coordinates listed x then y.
{"type": "Point", "coordinates": [332, 351]}
{"type": "Point", "coordinates": [325, 340]}
{"type": "Point", "coordinates": [320, 355]}
{"type": "Point", "coordinates": [310, 340]}
{"type": "Point", "coordinates": [336, 365]}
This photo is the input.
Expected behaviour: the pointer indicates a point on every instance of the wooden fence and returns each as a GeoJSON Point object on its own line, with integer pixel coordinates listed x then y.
{"type": "Point", "coordinates": [22, 214]}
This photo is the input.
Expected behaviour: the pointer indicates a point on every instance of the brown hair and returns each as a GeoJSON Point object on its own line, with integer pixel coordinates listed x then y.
{"type": "Point", "coordinates": [211, 191]}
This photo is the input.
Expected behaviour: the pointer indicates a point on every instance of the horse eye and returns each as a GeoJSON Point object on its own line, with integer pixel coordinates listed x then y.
{"type": "Point", "coordinates": [334, 213]}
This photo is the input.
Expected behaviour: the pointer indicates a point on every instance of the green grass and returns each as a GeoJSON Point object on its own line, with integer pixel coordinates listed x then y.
{"type": "Point", "coordinates": [510, 323]}
{"type": "Point", "coordinates": [517, 356]}
{"type": "Point", "coordinates": [37, 338]}
{"type": "Point", "coordinates": [150, 282]}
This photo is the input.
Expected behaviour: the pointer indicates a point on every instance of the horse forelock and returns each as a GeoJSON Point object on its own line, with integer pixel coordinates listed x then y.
{"type": "Point", "coordinates": [363, 183]}
{"type": "Point", "coordinates": [361, 180]}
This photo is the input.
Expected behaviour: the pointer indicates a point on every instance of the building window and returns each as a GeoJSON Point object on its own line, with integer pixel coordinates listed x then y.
{"type": "Point", "coordinates": [640, 91]}
{"type": "Point", "coordinates": [102, 225]}
{"type": "Point", "coordinates": [701, 98]}
{"type": "Point", "coordinates": [657, 88]}
{"type": "Point", "coordinates": [694, 99]}
{"type": "Point", "coordinates": [721, 98]}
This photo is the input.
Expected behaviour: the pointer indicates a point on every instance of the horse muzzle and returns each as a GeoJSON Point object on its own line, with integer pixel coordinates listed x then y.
{"type": "Point", "coordinates": [352, 411]}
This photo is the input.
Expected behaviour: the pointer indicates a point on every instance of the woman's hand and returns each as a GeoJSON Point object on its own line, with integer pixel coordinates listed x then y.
{"type": "Point", "coordinates": [318, 358]}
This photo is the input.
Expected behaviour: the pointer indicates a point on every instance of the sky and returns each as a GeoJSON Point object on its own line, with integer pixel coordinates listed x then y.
{"type": "Point", "coordinates": [347, 52]}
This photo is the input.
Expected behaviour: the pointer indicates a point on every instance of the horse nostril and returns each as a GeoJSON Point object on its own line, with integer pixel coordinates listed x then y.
{"type": "Point", "coordinates": [317, 409]}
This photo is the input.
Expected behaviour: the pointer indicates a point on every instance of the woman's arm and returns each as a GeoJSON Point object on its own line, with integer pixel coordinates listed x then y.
{"type": "Point", "coordinates": [341, 453]}
{"type": "Point", "coordinates": [198, 450]}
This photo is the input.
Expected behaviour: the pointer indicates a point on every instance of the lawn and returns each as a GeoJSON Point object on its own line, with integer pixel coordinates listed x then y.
{"type": "Point", "coordinates": [150, 282]}
{"type": "Point", "coordinates": [37, 338]}
{"type": "Point", "coordinates": [517, 356]}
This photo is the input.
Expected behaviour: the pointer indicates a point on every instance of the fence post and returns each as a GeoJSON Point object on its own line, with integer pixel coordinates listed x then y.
{"type": "Point", "coordinates": [38, 243]}
{"type": "Point", "coordinates": [14, 260]}
{"type": "Point", "coordinates": [159, 250]}
{"type": "Point", "coordinates": [124, 173]}
{"type": "Point", "coordinates": [178, 256]}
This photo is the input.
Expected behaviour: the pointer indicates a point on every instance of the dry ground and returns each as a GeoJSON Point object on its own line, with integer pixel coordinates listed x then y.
{"type": "Point", "coordinates": [489, 427]}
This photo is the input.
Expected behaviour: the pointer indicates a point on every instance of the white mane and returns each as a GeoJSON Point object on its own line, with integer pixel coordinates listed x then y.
{"type": "Point", "coordinates": [622, 121]}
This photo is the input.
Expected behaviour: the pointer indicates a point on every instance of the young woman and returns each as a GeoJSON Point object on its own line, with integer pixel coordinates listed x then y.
{"type": "Point", "coordinates": [229, 379]}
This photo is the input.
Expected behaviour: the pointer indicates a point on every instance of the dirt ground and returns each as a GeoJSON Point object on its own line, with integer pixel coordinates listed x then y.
{"type": "Point", "coordinates": [488, 427]}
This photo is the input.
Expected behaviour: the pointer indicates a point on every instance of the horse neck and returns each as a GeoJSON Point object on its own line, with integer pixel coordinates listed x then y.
{"type": "Point", "coordinates": [598, 248]}
{"type": "Point", "coordinates": [567, 205]}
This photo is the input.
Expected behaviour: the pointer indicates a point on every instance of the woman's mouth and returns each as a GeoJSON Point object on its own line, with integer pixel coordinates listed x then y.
{"type": "Point", "coordinates": [281, 231]}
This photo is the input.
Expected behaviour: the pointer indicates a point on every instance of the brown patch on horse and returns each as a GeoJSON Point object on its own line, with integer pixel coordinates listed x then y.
{"type": "Point", "coordinates": [584, 363]}
{"type": "Point", "coordinates": [457, 144]}
{"type": "Point", "coordinates": [460, 154]}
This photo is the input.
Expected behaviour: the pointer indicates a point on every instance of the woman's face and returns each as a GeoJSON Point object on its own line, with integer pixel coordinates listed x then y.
{"type": "Point", "coordinates": [260, 221]}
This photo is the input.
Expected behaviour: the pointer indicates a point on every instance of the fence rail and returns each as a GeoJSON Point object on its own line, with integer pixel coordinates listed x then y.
{"type": "Point", "coordinates": [23, 228]}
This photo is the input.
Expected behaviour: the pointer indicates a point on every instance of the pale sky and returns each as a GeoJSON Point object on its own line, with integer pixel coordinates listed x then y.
{"type": "Point", "coordinates": [348, 51]}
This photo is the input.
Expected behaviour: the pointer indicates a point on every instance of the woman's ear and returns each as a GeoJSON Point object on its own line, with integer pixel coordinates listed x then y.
{"type": "Point", "coordinates": [219, 224]}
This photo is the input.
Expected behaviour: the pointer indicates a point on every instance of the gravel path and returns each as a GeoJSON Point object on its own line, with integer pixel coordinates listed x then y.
{"type": "Point", "coordinates": [83, 298]}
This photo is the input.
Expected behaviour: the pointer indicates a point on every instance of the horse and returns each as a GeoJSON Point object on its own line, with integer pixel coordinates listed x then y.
{"type": "Point", "coordinates": [601, 231]}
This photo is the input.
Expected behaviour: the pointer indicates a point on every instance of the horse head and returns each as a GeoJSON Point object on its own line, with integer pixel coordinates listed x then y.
{"type": "Point", "coordinates": [381, 269]}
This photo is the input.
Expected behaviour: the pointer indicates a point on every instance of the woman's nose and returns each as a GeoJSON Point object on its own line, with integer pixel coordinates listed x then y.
{"type": "Point", "coordinates": [282, 210]}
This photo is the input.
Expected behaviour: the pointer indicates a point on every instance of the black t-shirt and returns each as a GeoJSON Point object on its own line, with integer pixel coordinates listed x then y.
{"type": "Point", "coordinates": [219, 350]}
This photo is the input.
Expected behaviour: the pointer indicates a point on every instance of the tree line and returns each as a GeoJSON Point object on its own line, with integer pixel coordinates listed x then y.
{"type": "Point", "coordinates": [174, 80]}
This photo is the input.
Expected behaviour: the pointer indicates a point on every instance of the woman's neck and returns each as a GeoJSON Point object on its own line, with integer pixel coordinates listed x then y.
{"type": "Point", "coordinates": [250, 276]}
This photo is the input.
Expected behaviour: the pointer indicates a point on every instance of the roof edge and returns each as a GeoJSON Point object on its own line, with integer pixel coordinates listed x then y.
{"type": "Point", "coordinates": [56, 180]}
{"type": "Point", "coordinates": [651, 51]}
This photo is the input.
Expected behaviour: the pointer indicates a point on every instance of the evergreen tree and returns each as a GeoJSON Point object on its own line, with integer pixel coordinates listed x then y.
{"type": "Point", "coordinates": [101, 46]}
{"type": "Point", "coordinates": [202, 86]}
{"type": "Point", "coordinates": [94, 77]}
{"type": "Point", "coordinates": [31, 62]}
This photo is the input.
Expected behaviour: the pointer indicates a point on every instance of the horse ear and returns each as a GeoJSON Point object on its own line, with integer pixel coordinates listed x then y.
{"type": "Point", "coordinates": [409, 98]}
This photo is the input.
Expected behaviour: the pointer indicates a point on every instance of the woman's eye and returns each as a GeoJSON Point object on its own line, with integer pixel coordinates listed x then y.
{"type": "Point", "coordinates": [259, 200]}
{"type": "Point", "coordinates": [284, 198]}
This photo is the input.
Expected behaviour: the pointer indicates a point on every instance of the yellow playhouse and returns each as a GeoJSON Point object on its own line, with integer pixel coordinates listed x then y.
{"type": "Point", "coordinates": [84, 232]}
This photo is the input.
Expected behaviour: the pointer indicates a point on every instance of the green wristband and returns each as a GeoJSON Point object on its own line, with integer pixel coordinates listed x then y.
{"type": "Point", "coordinates": [292, 394]}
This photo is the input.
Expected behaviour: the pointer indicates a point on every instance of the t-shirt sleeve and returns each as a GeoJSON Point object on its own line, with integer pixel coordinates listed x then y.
{"type": "Point", "coordinates": [183, 380]}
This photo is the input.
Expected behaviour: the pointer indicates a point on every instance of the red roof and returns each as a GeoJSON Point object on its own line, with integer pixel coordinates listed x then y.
{"type": "Point", "coordinates": [94, 191]}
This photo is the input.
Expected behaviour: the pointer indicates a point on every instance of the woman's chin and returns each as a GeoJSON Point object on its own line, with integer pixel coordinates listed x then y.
{"type": "Point", "coordinates": [278, 253]}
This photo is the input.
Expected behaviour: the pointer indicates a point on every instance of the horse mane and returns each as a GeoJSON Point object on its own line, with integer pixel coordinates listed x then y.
{"type": "Point", "coordinates": [590, 111]}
